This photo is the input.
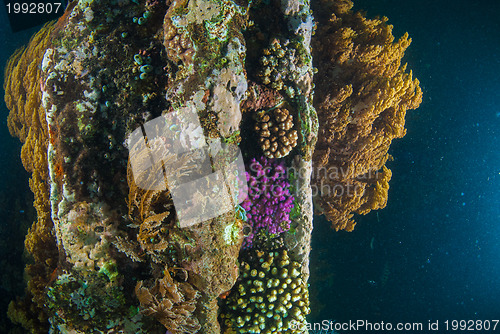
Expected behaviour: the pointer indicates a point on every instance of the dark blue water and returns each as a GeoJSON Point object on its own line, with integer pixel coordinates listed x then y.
{"type": "Point", "coordinates": [438, 239]}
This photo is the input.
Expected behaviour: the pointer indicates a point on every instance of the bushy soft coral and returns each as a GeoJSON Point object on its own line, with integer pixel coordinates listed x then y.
{"type": "Point", "coordinates": [269, 199]}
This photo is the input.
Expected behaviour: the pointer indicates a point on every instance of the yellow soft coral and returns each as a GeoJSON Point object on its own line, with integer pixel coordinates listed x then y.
{"type": "Point", "coordinates": [26, 121]}
{"type": "Point", "coordinates": [362, 95]}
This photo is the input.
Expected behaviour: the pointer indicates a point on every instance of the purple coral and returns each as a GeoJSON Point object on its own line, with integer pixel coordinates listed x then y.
{"type": "Point", "coordinates": [269, 199]}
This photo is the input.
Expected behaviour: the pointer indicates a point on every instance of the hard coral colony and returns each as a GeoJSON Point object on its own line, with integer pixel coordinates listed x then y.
{"type": "Point", "coordinates": [269, 200]}
{"type": "Point", "coordinates": [111, 255]}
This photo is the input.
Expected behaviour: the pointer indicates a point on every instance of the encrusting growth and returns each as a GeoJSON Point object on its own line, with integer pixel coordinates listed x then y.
{"type": "Point", "coordinates": [125, 107]}
{"type": "Point", "coordinates": [171, 303]}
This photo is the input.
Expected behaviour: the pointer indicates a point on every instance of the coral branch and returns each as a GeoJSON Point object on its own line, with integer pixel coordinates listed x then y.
{"type": "Point", "coordinates": [26, 121]}
{"type": "Point", "coordinates": [362, 95]}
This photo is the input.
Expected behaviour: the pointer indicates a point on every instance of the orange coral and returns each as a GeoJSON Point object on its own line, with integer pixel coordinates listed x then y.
{"type": "Point", "coordinates": [27, 122]}
{"type": "Point", "coordinates": [172, 303]}
{"type": "Point", "coordinates": [152, 209]}
{"type": "Point", "coordinates": [362, 95]}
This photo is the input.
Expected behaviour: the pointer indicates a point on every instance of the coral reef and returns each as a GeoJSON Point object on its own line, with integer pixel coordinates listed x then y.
{"type": "Point", "coordinates": [277, 135]}
{"type": "Point", "coordinates": [95, 96]}
{"type": "Point", "coordinates": [270, 296]}
{"type": "Point", "coordinates": [362, 95]}
{"type": "Point", "coordinates": [94, 108]}
{"type": "Point", "coordinates": [88, 303]}
{"type": "Point", "coordinates": [269, 200]}
{"type": "Point", "coordinates": [172, 303]}
{"type": "Point", "coordinates": [279, 65]}
{"type": "Point", "coordinates": [151, 208]}
{"type": "Point", "coordinates": [26, 121]}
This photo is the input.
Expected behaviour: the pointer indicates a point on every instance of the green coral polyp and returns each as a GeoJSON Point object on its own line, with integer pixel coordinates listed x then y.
{"type": "Point", "coordinates": [109, 270]}
{"type": "Point", "coordinates": [232, 233]}
{"type": "Point", "coordinates": [271, 297]}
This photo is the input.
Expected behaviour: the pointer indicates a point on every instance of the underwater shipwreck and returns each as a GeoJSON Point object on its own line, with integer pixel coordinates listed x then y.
{"type": "Point", "coordinates": [178, 151]}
